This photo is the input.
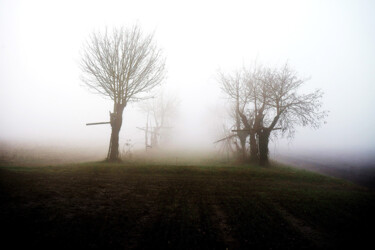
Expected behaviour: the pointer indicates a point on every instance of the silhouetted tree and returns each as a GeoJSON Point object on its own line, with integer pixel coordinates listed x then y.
{"type": "Point", "coordinates": [122, 65]}
{"type": "Point", "coordinates": [236, 89]}
{"type": "Point", "coordinates": [283, 107]}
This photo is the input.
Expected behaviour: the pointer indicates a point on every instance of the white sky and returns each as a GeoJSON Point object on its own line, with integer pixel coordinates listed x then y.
{"type": "Point", "coordinates": [42, 98]}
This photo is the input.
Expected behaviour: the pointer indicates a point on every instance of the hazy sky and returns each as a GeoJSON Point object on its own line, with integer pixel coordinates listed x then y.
{"type": "Point", "coordinates": [42, 98]}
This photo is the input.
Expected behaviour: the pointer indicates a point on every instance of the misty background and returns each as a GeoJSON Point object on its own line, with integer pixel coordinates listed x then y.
{"type": "Point", "coordinates": [45, 105]}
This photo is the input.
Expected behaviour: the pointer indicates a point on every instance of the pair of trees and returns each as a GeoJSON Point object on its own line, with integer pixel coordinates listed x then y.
{"type": "Point", "coordinates": [125, 64]}
{"type": "Point", "coordinates": [268, 101]}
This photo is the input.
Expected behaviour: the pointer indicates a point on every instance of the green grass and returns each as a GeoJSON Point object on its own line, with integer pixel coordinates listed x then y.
{"type": "Point", "coordinates": [112, 206]}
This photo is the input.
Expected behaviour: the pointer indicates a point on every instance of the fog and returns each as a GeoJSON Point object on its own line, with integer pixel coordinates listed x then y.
{"type": "Point", "coordinates": [43, 101]}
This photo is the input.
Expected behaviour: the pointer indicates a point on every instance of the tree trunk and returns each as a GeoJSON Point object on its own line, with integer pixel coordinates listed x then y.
{"type": "Point", "coordinates": [264, 135]}
{"type": "Point", "coordinates": [116, 123]}
{"type": "Point", "coordinates": [253, 148]}
{"type": "Point", "coordinates": [243, 148]}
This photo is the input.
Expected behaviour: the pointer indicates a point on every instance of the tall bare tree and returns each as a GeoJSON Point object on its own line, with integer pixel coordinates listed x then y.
{"type": "Point", "coordinates": [283, 107]}
{"type": "Point", "coordinates": [240, 88]}
{"type": "Point", "coordinates": [123, 65]}
{"type": "Point", "coordinates": [233, 86]}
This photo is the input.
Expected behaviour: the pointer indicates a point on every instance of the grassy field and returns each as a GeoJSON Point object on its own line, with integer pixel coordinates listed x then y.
{"type": "Point", "coordinates": [119, 206]}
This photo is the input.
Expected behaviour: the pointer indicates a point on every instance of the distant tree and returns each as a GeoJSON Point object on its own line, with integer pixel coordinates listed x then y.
{"type": "Point", "coordinates": [161, 110]}
{"type": "Point", "coordinates": [122, 65]}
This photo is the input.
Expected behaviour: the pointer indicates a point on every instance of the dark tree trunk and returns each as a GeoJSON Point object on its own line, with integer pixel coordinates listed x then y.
{"type": "Point", "coordinates": [116, 123]}
{"type": "Point", "coordinates": [253, 148]}
{"type": "Point", "coordinates": [243, 148]}
{"type": "Point", "coordinates": [264, 136]}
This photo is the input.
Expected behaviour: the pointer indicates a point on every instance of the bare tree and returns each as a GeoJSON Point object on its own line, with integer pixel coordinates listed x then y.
{"type": "Point", "coordinates": [283, 107]}
{"type": "Point", "coordinates": [122, 65]}
{"type": "Point", "coordinates": [233, 86]}
{"type": "Point", "coordinates": [240, 89]}
{"type": "Point", "coordinates": [161, 110]}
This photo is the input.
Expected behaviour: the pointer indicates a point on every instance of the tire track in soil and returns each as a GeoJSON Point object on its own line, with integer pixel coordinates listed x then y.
{"type": "Point", "coordinates": [309, 233]}
{"type": "Point", "coordinates": [220, 221]}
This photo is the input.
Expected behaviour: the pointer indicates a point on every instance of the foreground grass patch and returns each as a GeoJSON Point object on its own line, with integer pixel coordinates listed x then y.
{"type": "Point", "coordinates": [101, 205]}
